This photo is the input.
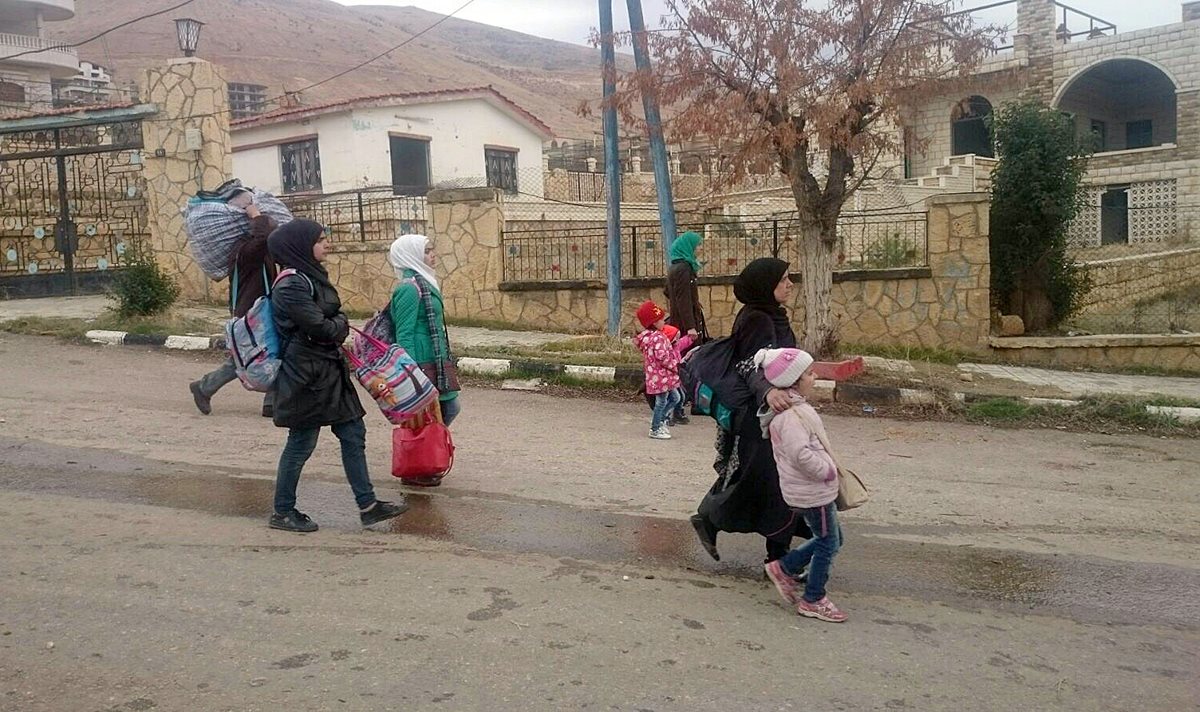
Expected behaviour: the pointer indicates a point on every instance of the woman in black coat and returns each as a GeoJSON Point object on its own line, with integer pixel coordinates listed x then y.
{"type": "Point", "coordinates": [682, 292]}
{"type": "Point", "coordinates": [314, 388]}
{"type": "Point", "coordinates": [746, 496]}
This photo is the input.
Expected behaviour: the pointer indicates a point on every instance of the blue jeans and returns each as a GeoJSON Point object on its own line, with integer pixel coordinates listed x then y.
{"type": "Point", "coordinates": [680, 411]}
{"type": "Point", "coordinates": [664, 403]}
{"type": "Point", "coordinates": [352, 435]}
{"type": "Point", "coordinates": [816, 553]}
{"type": "Point", "coordinates": [450, 410]}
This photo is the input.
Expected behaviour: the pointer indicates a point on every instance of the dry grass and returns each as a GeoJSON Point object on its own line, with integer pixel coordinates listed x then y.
{"type": "Point", "coordinates": [74, 329]}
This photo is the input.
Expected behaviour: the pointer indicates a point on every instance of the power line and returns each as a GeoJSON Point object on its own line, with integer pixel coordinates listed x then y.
{"type": "Point", "coordinates": [98, 36]}
{"type": "Point", "coordinates": [343, 73]}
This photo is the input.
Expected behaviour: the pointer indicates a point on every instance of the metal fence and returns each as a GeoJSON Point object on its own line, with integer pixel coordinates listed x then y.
{"type": "Point", "coordinates": [536, 251]}
{"type": "Point", "coordinates": [363, 215]}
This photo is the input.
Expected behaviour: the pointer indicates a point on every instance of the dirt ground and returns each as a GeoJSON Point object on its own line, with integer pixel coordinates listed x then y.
{"type": "Point", "coordinates": [1036, 490]}
{"type": "Point", "coordinates": [555, 570]}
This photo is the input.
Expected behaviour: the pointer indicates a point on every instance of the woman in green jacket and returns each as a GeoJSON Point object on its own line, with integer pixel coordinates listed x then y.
{"type": "Point", "coordinates": [419, 317]}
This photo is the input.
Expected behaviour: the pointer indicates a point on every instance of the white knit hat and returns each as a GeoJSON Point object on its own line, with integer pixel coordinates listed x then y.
{"type": "Point", "coordinates": [783, 367]}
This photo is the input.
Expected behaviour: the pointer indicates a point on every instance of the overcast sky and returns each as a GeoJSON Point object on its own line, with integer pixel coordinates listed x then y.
{"type": "Point", "coordinates": [572, 20]}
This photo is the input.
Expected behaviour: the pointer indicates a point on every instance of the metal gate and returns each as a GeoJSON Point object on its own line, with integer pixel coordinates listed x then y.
{"type": "Point", "coordinates": [72, 202]}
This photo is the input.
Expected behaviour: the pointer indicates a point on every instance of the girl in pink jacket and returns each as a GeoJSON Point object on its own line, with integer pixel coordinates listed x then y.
{"type": "Point", "coordinates": [808, 481]}
{"type": "Point", "coordinates": [661, 366]}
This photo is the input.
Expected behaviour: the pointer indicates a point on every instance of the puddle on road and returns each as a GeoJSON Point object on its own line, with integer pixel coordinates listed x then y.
{"type": "Point", "coordinates": [1002, 575]}
{"type": "Point", "coordinates": [1088, 589]}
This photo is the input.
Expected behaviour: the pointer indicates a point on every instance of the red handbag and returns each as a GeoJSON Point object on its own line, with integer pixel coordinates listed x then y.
{"type": "Point", "coordinates": [422, 449]}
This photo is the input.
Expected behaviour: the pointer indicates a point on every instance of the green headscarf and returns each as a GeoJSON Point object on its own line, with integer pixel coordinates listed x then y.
{"type": "Point", "coordinates": [684, 248]}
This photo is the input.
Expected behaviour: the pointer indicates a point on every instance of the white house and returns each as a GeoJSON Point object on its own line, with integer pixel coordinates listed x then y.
{"type": "Point", "coordinates": [93, 85]}
{"type": "Point", "coordinates": [411, 141]}
{"type": "Point", "coordinates": [25, 78]}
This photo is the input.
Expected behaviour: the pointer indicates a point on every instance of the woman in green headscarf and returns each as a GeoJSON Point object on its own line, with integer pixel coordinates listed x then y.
{"type": "Point", "coordinates": [684, 298]}
{"type": "Point", "coordinates": [682, 294]}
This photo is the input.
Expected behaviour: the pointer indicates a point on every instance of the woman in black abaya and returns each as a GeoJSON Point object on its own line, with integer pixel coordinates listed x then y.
{"type": "Point", "coordinates": [746, 497]}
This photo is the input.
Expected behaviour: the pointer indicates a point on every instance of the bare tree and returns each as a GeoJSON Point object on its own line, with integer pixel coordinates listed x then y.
{"type": "Point", "coordinates": [818, 89]}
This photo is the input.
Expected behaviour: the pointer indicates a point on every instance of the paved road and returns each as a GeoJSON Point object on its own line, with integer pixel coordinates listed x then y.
{"type": "Point", "coordinates": [1023, 569]}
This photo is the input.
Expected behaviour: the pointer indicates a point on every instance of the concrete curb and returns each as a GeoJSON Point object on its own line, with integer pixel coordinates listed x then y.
{"type": "Point", "coordinates": [503, 366]}
{"type": "Point", "coordinates": [180, 343]}
{"type": "Point", "coordinates": [827, 391]}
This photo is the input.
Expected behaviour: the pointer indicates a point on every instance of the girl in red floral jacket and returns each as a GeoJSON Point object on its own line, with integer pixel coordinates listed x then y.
{"type": "Point", "coordinates": [661, 363]}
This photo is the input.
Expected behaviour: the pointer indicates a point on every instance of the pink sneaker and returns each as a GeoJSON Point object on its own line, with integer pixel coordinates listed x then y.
{"type": "Point", "coordinates": [785, 584]}
{"type": "Point", "coordinates": [823, 610]}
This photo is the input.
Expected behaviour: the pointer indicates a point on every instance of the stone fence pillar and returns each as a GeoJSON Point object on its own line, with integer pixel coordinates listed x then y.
{"type": "Point", "coordinates": [465, 226]}
{"type": "Point", "coordinates": [187, 147]}
{"type": "Point", "coordinates": [960, 259]}
{"type": "Point", "coordinates": [944, 305]}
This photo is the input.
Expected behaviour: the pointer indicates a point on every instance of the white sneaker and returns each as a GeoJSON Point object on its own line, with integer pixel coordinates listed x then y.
{"type": "Point", "coordinates": [661, 433]}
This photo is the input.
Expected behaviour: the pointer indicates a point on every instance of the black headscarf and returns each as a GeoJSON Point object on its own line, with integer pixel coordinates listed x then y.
{"type": "Point", "coordinates": [291, 245]}
{"type": "Point", "coordinates": [755, 286]}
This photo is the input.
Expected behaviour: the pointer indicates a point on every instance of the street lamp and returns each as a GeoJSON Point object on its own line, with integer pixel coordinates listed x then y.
{"type": "Point", "coordinates": [188, 31]}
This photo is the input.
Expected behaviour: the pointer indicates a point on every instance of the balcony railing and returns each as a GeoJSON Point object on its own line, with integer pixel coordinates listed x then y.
{"type": "Point", "coordinates": [48, 54]}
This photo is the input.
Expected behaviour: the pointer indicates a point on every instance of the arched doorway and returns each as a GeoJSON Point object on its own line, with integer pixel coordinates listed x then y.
{"type": "Point", "coordinates": [969, 130]}
{"type": "Point", "coordinates": [1122, 104]}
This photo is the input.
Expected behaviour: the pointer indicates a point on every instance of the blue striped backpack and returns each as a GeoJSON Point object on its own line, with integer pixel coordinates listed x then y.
{"type": "Point", "coordinates": [253, 342]}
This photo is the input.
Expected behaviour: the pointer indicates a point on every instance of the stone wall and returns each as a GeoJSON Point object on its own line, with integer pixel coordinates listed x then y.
{"type": "Point", "coordinates": [190, 94]}
{"type": "Point", "coordinates": [361, 273]}
{"type": "Point", "coordinates": [944, 305]}
{"type": "Point", "coordinates": [1124, 281]}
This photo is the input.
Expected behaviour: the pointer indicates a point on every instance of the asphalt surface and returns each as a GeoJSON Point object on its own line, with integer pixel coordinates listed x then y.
{"type": "Point", "coordinates": [555, 570]}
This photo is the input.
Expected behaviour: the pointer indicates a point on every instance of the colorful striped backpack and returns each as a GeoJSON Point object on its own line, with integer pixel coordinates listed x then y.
{"type": "Point", "coordinates": [253, 342]}
{"type": "Point", "coordinates": [398, 385]}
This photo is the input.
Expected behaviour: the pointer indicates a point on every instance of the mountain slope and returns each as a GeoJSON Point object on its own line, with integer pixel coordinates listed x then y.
{"type": "Point", "coordinates": [290, 44]}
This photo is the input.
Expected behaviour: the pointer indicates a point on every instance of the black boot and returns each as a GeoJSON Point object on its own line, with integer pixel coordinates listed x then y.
{"type": "Point", "coordinates": [707, 534]}
{"type": "Point", "coordinates": [203, 401]}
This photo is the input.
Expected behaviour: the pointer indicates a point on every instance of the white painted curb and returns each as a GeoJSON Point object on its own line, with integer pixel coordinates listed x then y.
{"type": "Point", "coordinates": [497, 366]}
{"type": "Point", "coordinates": [606, 374]}
{"type": "Point", "coordinates": [888, 364]}
{"type": "Point", "coordinates": [110, 338]}
{"type": "Point", "coordinates": [1060, 402]}
{"type": "Point", "coordinates": [909, 396]}
{"type": "Point", "coordinates": [188, 343]}
{"type": "Point", "coordinates": [1184, 415]}
{"type": "Point", "coordinates": [823, 391]}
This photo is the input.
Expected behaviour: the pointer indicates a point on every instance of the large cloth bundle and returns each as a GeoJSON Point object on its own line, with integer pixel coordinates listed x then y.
{"type": "Point", "coordinates": [214, 227]}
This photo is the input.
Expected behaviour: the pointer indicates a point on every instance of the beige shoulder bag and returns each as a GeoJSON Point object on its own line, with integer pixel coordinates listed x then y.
{"type": "Point", "coordinates": [851, 490]}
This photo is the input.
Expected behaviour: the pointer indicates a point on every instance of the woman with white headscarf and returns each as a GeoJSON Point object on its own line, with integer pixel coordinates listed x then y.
{"type": "Point", "coordinates": [419, 318]}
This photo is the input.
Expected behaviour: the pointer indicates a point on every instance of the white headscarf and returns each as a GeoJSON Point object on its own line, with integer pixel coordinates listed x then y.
{"type": "Point", "coordinates": [408, 252]}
